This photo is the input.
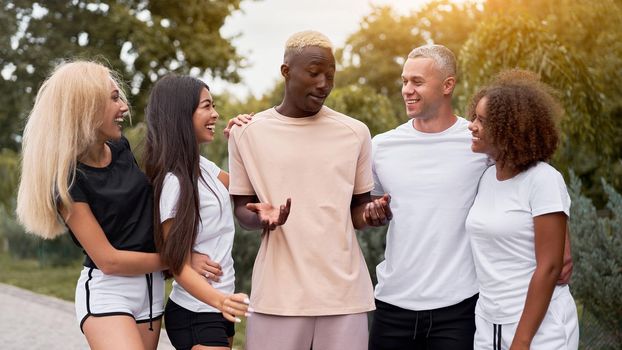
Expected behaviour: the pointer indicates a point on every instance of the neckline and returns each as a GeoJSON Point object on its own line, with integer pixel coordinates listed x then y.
{"type": "Point", "coordinates": [298, 120]}
{"type": "Point", "coordinates": [113, 158]}
{"type": "Point", "coordinates": [455, 125]}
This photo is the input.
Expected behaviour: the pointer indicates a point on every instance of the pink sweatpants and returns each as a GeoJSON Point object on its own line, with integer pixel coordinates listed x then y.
{"type": "Point", "coordinates": [336, 332]}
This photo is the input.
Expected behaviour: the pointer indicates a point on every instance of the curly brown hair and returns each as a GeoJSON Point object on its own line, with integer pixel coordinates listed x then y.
{"type": "Point", "coordinates": [521, 118]}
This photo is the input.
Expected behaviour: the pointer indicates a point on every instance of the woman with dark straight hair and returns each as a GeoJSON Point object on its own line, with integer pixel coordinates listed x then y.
{"type": "Point", "coordinates": [192, 212]}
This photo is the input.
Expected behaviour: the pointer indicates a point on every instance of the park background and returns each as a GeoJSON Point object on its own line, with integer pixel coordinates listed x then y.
{"type": "Point", "coordinates": [575, 46]}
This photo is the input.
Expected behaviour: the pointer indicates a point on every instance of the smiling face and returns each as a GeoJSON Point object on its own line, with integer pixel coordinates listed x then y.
{"type": "Point", "coordinates": [480, 143]}
{"type": "Point", "coordinates": [424, 88]}
{"type": "Point", "coordinates": [308, 81]}
{"type": "Point", "coordinates": [114, 115]}
{"type": "Point", "coordinates": [204, 118]}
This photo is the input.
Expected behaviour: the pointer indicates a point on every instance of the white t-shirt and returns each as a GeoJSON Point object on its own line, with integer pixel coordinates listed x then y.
{"type": "Point", "coordinates": [215, 232]}
{"type": "Point", "coordinates": [500, 227]}
{"type": "Point", "coordinates": [432, 179]}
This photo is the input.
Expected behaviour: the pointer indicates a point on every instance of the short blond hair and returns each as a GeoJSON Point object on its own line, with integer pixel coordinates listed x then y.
{"type": "Point", "coordinates": [444, 59]}
{"type": "Point", "coordinates": [298, 41]}
{"type": "Point", "coordinates": [61, 126]}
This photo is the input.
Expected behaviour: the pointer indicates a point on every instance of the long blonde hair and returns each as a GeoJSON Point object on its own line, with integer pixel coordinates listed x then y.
{"type": "Point", "coordinates": [61, 126]}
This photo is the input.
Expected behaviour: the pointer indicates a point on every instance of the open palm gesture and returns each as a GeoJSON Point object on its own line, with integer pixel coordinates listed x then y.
{"type": "Point", "coordinates": [269, 216]}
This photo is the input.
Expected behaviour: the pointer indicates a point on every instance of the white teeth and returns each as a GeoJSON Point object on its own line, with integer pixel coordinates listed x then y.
{"type": "Point", "coordinates": [211, 127]}
{"type": "Point", "coordinates": [119, 120]}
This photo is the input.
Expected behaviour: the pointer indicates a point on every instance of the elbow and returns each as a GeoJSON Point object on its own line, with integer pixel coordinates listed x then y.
{"type": "Point", "coordinates": [550, 271]}
{"type": "Point", "coordinates": [109, 266]}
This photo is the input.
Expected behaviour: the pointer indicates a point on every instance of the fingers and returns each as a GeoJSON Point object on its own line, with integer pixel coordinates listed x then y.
{"type": "Point", "coordinates": [236, 306]}
{"type": "Point", "coordinates": [386, 206]}
{"type": "Point", "coordinates": [378, 212]}
{"type": "Point", "coordinates": [566, 273]}
{"type": "Point", "coordinates": [371, 215]}
{"type": "Point", "coordinates": [239, 120]}
{"type": "Point", "coordinates": [254, 207]}
{"type": "Point", "coordinates": [212, 276]}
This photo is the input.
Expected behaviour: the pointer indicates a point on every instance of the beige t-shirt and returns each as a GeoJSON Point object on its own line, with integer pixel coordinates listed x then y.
{"type": "Point", "coordinates": [312, 265]}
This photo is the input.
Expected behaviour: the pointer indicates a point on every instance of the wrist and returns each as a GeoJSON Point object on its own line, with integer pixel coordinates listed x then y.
{"type": "Point", "coordinates": [521, 343]}
{"type": "Point", "coordinates": [221, 301]}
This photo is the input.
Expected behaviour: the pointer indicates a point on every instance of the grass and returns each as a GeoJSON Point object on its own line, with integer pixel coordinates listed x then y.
{"type": "Point", "coordinates": [60, 282]}
{"type": "Point", "coordinates": [55, 281]}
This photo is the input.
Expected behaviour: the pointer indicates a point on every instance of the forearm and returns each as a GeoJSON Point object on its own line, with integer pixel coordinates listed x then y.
{"type": "Point", "coordinates": [247, 219]}
{"type": "Point", "coordinates": [129, 263]}
{"type": "Point", "coordinates": [199, 287]}
{"type": "Point", "coordinates": [536, 304]}
{"type": "Point", "coordinates": [358, 217]}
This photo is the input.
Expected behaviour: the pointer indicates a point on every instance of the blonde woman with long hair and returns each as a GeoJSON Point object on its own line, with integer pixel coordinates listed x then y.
{"type": "Point", "coordinates": [78, 171]}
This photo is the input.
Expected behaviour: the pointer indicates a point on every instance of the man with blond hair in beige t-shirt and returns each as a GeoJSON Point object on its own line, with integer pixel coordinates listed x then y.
{"type": "Point", "coordinates": [310, 283]}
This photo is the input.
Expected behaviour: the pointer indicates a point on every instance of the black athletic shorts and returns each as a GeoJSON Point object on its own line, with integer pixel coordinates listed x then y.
{"type": "Point", "coordinates": [186, 328]}
{"type": "Point", "coordinates": [451, 327]}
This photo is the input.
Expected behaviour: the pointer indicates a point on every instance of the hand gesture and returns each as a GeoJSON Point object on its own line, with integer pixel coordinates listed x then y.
{"type": "Point", "coordinates": [269, 216]}
{"type": "Point", "coordinates": [235, 306]}
{"type": "Point", "coordinates": [205, 266]}
{"type": "Point", "coordinates": [239, 120]}
{"type": "Point", "coordinates": [378, 211]}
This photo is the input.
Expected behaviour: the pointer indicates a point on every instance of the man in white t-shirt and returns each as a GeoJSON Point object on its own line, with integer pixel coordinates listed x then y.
{"type": "Point", "coordinates": [427, 287]}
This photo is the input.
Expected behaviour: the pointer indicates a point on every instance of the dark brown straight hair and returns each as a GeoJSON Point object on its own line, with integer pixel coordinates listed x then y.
{"type": "Point", "coordinates": [171, 147]}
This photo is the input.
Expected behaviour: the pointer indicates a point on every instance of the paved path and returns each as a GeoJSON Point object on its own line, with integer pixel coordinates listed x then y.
{"type": "Point", "coordinates": [33, 321]}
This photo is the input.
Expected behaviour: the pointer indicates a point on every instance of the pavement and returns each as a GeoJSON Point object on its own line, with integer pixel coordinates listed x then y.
{"type": "Point", "coordinates": [33, 321]}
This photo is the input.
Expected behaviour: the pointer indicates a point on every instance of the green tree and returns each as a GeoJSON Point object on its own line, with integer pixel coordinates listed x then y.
{"type": "Point", "coordinates": [576, 48]}
{"type": "Point", "coordinates": [597, 253]}
{"type": "Point", "coordinates": [374, 55]}
{"type": "Point", "coordinates": [363, 103]}
{"type": "Point", "coordinates": [143, 40]}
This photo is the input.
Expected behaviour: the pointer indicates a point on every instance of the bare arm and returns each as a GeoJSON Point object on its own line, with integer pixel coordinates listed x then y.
{"type": "Point", "coordinates": [232, 306]}
{"type": "Point", "coordinates": [550, 231]}
{"type": "Point", "coordinates": [109, 260]}
{"type": "Point", "coordinates": [357, 209]}
{"type": "Point", "coordinates": [223, 176]}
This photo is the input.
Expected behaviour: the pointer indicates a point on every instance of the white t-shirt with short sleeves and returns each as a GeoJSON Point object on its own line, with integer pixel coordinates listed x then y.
{"type": "Point", "coordinates": [501, 230]}
{"type": "Point", "coordinates": [216, 230]}
{"type": "Point", "coordinates": [432, 179]}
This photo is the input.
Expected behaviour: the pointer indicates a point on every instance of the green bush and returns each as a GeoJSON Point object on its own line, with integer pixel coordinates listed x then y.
{"type": "Point", "coordinates": [21, 245]}
{"type": "Point", "coordinates": [597, 253]}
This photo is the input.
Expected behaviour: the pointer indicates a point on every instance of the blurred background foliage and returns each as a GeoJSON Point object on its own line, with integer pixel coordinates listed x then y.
{"type": "Point", "coordinates": [576, 47]}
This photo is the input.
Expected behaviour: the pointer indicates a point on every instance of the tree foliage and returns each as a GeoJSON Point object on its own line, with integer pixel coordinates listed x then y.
{"type": "Point", "coordinates": [143, 40]}
{"type": "Point", "coordinates": [597, 253]}
{"type": "Point", "coordinates": [366, 105]}
{"type": "Point", "coordinates": [373, 56]}
{"type": "Point", "coordinates": [575, 46]}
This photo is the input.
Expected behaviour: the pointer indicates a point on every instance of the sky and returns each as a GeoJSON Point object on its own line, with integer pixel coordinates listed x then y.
{"type": "Point", "coordinates": [264, 26]}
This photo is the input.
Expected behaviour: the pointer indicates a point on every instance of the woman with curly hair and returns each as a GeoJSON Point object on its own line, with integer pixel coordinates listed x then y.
{"type": "Point", "coordinates": [518, 221]}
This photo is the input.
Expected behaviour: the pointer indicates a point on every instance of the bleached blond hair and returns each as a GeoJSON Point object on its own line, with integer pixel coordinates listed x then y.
{"type": "Point", "coordinates": [298, 41]}
{"type": "Point", "coordinates": [61, 126]}
{"type": "Point", "coordinates": [444, 59]}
